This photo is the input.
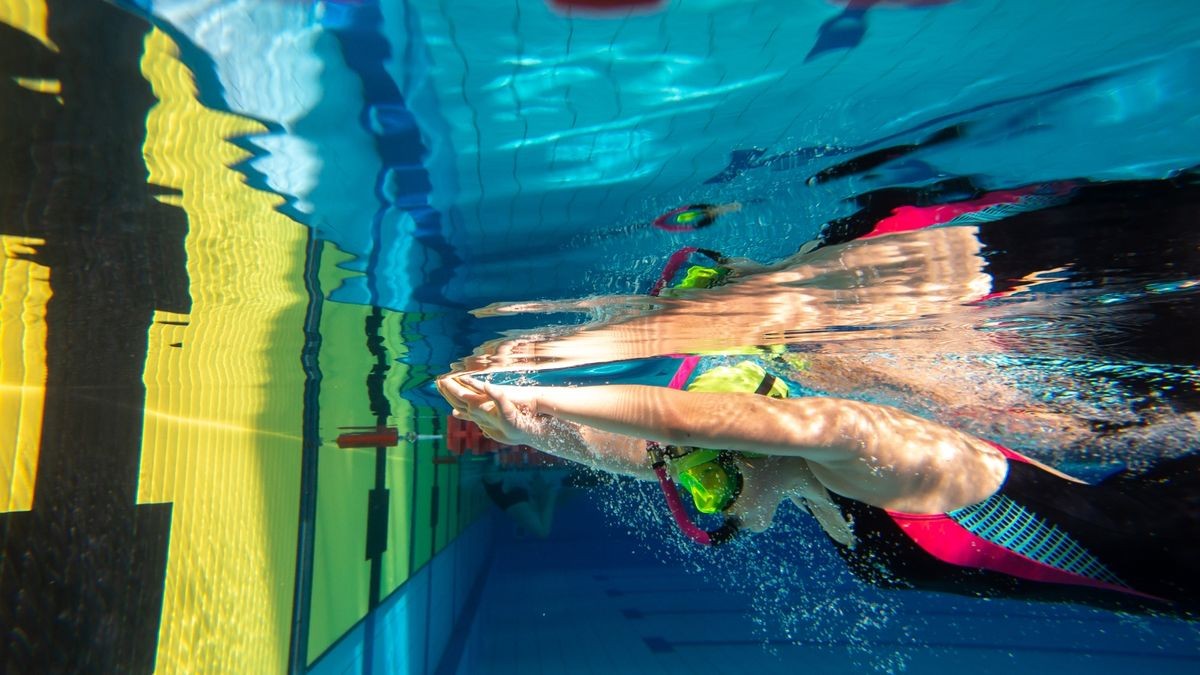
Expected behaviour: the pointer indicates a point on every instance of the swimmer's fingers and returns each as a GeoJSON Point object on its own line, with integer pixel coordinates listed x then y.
{"type": "Point", "coordinates": [472, 391]}
{"type": "Point", "coordinates": [513, 411]}
{"type": "Point", "coordinates": [458, 395]}
{"type": "Point", "coordinates": [468, 405]}
{"type": "Point", "coordinates": [501, 431]}
{"type": "Point", "coordinates": [497, 417]}
{"type": "Point", "coordinates": [451, 390]}
{"type": "Point", "coordinates": [505, 413]}
{"type": "Point", "coordinates": [511, 398]}
{"type": "Point", "coordinates": [486, 424]}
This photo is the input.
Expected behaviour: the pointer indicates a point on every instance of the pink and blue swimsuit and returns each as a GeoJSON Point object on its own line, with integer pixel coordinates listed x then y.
{"type": "Point", "coordinates": [1116, 543]}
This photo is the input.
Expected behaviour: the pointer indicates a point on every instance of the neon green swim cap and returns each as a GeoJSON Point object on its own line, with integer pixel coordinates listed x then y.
{"type": "Point", "coordinates": [744, 377]}
{"type": "Point", "coordinates": [699, 276]}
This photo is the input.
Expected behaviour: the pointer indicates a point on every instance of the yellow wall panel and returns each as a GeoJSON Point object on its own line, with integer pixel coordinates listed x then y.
{"type": "Point", "coordinates": [224, 393]}
{"type": "Point", "coordinates": [24, 292]}
{"type": "Point", "coordinates": [28, 16]}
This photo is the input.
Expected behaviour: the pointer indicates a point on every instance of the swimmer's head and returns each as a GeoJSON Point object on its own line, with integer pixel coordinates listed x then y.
{"type": "Point", "coordinates": [712, 476]}
{"type": "Point", "coordinates": [693, 216]}
{"type": "Point", "coordinates": [697, 276]}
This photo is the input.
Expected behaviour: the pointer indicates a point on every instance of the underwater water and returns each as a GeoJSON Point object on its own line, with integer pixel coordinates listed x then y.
{"type": "Point", "coordinates": [243, 237]}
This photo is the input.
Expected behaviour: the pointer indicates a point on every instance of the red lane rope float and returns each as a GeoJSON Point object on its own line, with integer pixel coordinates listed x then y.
{"type": "Point", "coordinates": [369, 437]}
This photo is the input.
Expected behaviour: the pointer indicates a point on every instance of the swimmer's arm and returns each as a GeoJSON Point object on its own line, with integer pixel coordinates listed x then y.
{"type": "Point", "coordinates": [812, 496]}
{"type": "Point", "coordinates": [508, 421]}
{"type": "Point", "coordinates": [876, 454]}
{"type": "Point", "coordinates": [597, 449]}
{"type": "Point", "coordinates": [819, 429]}
{"type": "Point", "coordinates": [838, 435]}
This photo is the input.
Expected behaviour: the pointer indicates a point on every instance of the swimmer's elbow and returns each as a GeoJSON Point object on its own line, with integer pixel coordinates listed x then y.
{"type": "Point", "coordinates": [677, 435]}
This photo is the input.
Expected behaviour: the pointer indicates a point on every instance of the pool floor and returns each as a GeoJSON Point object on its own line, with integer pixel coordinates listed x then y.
{"type": "Point", "coordinates": [612, 608]}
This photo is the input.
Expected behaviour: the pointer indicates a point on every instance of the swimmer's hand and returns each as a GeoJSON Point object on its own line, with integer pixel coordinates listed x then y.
{"type": "Point", "coordinates": [507, 415]}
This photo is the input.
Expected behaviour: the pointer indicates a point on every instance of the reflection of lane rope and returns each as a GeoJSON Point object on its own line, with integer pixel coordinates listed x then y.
{"type": "Point", "coordinates": [1007, 524]}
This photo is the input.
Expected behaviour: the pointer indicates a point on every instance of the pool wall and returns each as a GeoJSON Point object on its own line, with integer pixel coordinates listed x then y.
{"type": "Point", "coordinates": [180, 484]}
{"type": "Point", "coordinates": [421, 628]}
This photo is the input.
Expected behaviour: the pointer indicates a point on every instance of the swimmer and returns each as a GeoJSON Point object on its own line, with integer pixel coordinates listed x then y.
{"type": "Point", "coordinates": [529, 500]}
{"type": "Point", "coordinates": [906, 501]}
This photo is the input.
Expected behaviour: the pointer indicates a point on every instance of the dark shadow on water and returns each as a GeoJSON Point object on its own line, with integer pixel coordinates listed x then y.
{"type": "Point", "coordinates": [86, 565]}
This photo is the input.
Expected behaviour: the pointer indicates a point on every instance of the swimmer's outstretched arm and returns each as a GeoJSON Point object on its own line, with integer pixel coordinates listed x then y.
{"type": "Point", "coordinates": [512, 425]}
{"type": "Point", "coordinates": [598, 449]}
{"type": "Point", "coordinates": [813, 428]}
{"type": "Point", "coordinates": [879, 455]}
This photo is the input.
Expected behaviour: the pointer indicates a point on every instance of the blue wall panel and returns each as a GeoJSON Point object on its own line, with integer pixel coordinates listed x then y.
{"type": "Point", "coordinates": [414, 629]}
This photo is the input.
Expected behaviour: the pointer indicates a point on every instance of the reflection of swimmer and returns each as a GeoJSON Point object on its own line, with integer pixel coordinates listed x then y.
{"type": "Point", "coordinates": [842, 32]}
{"type": "Point", "coordinates": [907, 502]}
{"type": "Point", "coordinates": [877, 218]}
{"type": "Point", "coordinates": [694, 216]}
{"type": "Point", "coordinates": [846, 30]}
{"type": "Point", "coordinates": [525, 496]}
{"type": "Point", "coordinates": [843, 305]}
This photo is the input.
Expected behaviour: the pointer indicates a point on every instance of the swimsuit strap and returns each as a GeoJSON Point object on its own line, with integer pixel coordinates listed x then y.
{"type": "Point", "coordinates": [766, 385]}
{"type": "Point", "coordinates": [686, 368]}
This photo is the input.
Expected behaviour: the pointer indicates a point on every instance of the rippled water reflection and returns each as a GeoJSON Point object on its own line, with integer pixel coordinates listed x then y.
{"type": "Point", "coordinates": [1079, 356]}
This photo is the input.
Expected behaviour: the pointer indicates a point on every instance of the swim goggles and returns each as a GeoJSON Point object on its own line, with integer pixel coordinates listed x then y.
{"type": "Point", "coordinates": [711, 482]}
